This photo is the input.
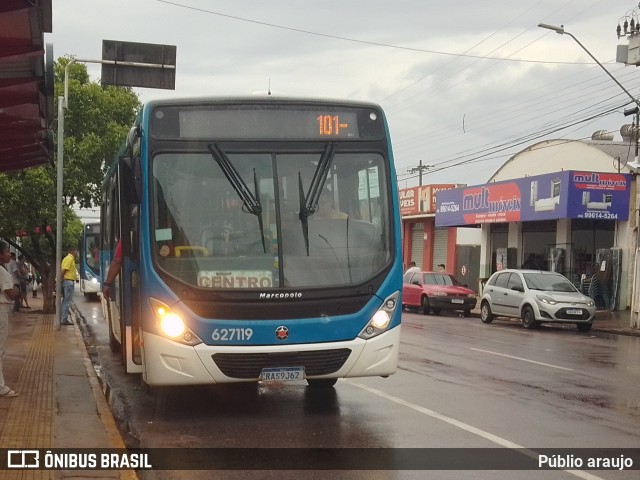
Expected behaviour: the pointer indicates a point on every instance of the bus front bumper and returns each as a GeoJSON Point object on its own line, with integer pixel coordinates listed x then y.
{"type": "Point", "coordinates": [170, 363]}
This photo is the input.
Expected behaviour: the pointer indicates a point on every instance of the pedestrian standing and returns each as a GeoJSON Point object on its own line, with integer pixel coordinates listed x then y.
{"type": "Point", "coordinates": [23, 269]}
{"type": "Point", "coordinates": [14, 271]}
{"type": "Point", "coordinates": [412, 268]}
{"type": "Point", "coordinates": [7, 297]}
{"type": "Point", "coordinates": [69, 275]}
{"type": "Point", "coordinates": [34, 286]}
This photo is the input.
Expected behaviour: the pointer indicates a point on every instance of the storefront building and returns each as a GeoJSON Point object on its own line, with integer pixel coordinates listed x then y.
{"type": "Point", "coordinates": [574, 222]}
{"type": "Point", "coordinates": [422, 242]}
{"type": "Point", "coordinates": [428, 245]}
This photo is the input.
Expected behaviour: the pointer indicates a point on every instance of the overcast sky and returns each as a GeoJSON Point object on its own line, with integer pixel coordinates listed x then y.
{"type": "Point", "coordinates": [467, 83]}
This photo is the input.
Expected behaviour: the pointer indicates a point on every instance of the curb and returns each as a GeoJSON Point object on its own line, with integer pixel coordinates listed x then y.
{"type": "Point", "coordinates": [111, 429]}
{"type": "Point", "coordinates": [597, 327]}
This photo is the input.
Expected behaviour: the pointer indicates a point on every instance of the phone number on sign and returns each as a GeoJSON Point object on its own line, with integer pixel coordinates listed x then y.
{"type": "Point", "coordinates": [603, 215]}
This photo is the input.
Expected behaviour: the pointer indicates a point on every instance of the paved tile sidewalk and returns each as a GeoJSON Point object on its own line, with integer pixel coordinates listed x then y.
{"type": "Point", "coordinates": [61, 404]}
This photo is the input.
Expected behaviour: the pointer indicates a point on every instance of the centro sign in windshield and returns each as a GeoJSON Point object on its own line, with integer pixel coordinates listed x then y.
{"type": "Point", "coordinates": [235, 279]}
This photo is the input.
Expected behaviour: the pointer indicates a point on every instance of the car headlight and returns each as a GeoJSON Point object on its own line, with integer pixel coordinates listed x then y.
{"type": "Point", "coordinates": [546, 299]}
{"type": "Point", "coordinates": [591, 303]}
{"type": "Point", "coordinates": [381, 319]}
{"type": "Point", "coordinates": [471, 295]}
{"type": "Point", "coordinates": [171, 324]}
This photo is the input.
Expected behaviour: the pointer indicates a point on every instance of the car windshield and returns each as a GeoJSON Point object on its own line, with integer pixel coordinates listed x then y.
{"type": "Point", "coordinates": [548, 282]}
{"type": "Point", "coordinates": [440, 279]}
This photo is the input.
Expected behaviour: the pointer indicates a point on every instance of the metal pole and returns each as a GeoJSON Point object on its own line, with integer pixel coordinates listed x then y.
{"type": "Point", "coordinates": [560, 30]}
{"type": "Point", "coordinates": [62, 104]}
{"type": "Point", "coordinates": [636, 132]}
{"type": "Point", "coordinates": [59, 211]}
{"type": "Point", "coordinates": [420, 170]}
{"type": "Point", "coordinates": [635, 100]}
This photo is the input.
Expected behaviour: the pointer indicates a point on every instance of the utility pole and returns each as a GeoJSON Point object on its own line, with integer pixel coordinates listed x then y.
{"type": "Point", "coordinates": [420, 168]}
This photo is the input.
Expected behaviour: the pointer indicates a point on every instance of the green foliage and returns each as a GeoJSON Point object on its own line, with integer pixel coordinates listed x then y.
{"type": "Point", "coordinates": [95, 124]}
{"type": "Point", "coordinates": [96, 121]}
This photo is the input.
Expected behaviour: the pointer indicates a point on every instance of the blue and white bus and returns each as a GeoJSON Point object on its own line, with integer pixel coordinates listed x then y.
{"type": "Point", "coordinates": [89, 260]}
{"type": "Point", "coordinates": [260, 241]}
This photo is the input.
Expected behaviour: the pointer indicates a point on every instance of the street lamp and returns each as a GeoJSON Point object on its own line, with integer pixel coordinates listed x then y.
{"type": "Point", "coordinates": [561, 31]}
{"type": "Point", "coordinates": [635, 294]}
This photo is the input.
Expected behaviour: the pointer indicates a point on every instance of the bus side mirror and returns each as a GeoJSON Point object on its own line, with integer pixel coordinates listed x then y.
{"type": "Point", "coordinates": [132, 171]}
{"type": "Point", "coordinates": [128, 181]}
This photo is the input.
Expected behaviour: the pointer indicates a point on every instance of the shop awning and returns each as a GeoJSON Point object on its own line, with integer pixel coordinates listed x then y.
{"type": "Point", "coordinates": [566, 194]}
{"type": "Point", "coordinates": [26, 91]}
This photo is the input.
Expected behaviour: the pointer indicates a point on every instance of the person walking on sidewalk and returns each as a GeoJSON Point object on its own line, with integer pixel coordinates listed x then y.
{"type": "Point", "coordinates": [23, 269]}
{"type": "Point", "coordinates": [7, 297]}
{"type": "Point", "coordinates": [69, 275]}
{"type": "Point", "coordinates": [14, 271]}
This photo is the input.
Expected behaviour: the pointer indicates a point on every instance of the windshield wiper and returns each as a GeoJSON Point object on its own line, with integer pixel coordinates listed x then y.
{"type": "Point", "coordinates": [309, 202]}
{"type": "Point", "coordinates": [249, 200]}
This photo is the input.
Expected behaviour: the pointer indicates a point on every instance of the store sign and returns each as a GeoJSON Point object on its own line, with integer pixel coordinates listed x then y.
{"type": "Point", "coordinates": [409, 201]}
{"type": "Point", "coordinates": [567, 194]}
{"type": "Point", "coordinates": [417, 200]}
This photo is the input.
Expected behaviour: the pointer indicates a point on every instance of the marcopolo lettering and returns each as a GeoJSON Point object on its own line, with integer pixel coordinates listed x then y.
{"type": "Point", "coordinates": [279, 296]}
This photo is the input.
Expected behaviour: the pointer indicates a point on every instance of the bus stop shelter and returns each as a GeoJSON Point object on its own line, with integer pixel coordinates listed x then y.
{"type": "Point", "coordinates": [26, 85]}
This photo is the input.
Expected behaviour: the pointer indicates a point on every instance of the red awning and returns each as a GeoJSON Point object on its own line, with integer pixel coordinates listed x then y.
{"type": "Point", "coordinates": [26, 89]}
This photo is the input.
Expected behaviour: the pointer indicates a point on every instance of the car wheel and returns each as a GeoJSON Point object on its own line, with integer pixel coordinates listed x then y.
{"type": "Point", "coordinates": [528, 318]}
{"type": "Point", "coordinates": [485, 313]}
{"type": "Point", "coordinates": [425, 305]}
{"type": "Point", "coordinates": [584, 327]}
{"type": "Point", "coordinates": [466, 313]}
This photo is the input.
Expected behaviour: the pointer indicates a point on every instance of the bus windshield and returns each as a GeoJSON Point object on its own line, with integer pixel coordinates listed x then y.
{"type": "Point", "coordinates": [91, 250]}
{"type": "Point", "coordinates": [204, 232]}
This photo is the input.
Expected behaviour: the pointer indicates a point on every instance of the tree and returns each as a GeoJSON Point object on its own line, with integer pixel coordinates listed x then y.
{"type": "Point", "coordinates": [96, 122]}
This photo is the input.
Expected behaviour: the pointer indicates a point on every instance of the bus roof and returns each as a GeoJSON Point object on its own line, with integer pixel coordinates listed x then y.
{"type": "Point", "coordinates": [259, 99]}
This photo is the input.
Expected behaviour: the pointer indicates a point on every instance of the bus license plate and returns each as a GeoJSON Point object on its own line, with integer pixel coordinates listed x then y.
{"type": "Point", "coordinates": [574, 311]}
{"type": "Point", "coordinates": [285, 374]}
{"type": "Point", "coordinates": [457, 300]}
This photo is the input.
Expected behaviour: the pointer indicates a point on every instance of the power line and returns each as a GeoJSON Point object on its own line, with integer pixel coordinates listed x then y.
{"type": "Point", "coordinates": [364, 42]}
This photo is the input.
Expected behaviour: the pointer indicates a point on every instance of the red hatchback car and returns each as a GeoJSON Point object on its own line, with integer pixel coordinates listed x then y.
{"type": "Point", "coordinates": [436, 291]}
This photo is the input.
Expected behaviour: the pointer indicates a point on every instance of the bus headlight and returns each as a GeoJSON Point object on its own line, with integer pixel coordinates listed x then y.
{"type": "Point", "coordinates": [381, 319]}
{"type": "Point", "coordinates": [171, 324]}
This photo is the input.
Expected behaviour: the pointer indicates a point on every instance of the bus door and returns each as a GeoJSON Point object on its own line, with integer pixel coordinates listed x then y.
{"type": "Point", "coordinates": [129, 276]}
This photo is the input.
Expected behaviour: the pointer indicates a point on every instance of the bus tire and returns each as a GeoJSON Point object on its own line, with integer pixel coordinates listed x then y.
{"type": "Point", "coordinates": [114, 345]}
{"type": "Point", "coordinates": [146, 388]}
{"type": "Point", "coordinates": [321, 382]}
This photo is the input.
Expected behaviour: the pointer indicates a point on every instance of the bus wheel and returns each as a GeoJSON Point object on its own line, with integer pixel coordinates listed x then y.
{"type": "Point", "coordinates": [321, 382]}
{"type": "Point", "coordinates": [114, 345]}
{"type": "Point", "coordinates": [146, 388]}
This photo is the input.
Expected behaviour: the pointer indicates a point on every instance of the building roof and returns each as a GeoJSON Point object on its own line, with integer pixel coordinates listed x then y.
{"type": "Point", "coordinates": [26, 84]}
{"type": "Point", "coordinates": [550, 156]}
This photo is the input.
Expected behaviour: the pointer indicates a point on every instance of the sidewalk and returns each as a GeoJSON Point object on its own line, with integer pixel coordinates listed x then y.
{"type": "Point", "coordinates": [61, 403]}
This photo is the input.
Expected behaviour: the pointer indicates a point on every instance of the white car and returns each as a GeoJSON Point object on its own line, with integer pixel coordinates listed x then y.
{"type": "Point", "coordinates": [535, 297]}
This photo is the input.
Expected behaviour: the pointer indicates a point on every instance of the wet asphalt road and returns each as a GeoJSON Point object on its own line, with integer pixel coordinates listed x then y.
{"type": "Point", "coordinates": [460, 384]}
